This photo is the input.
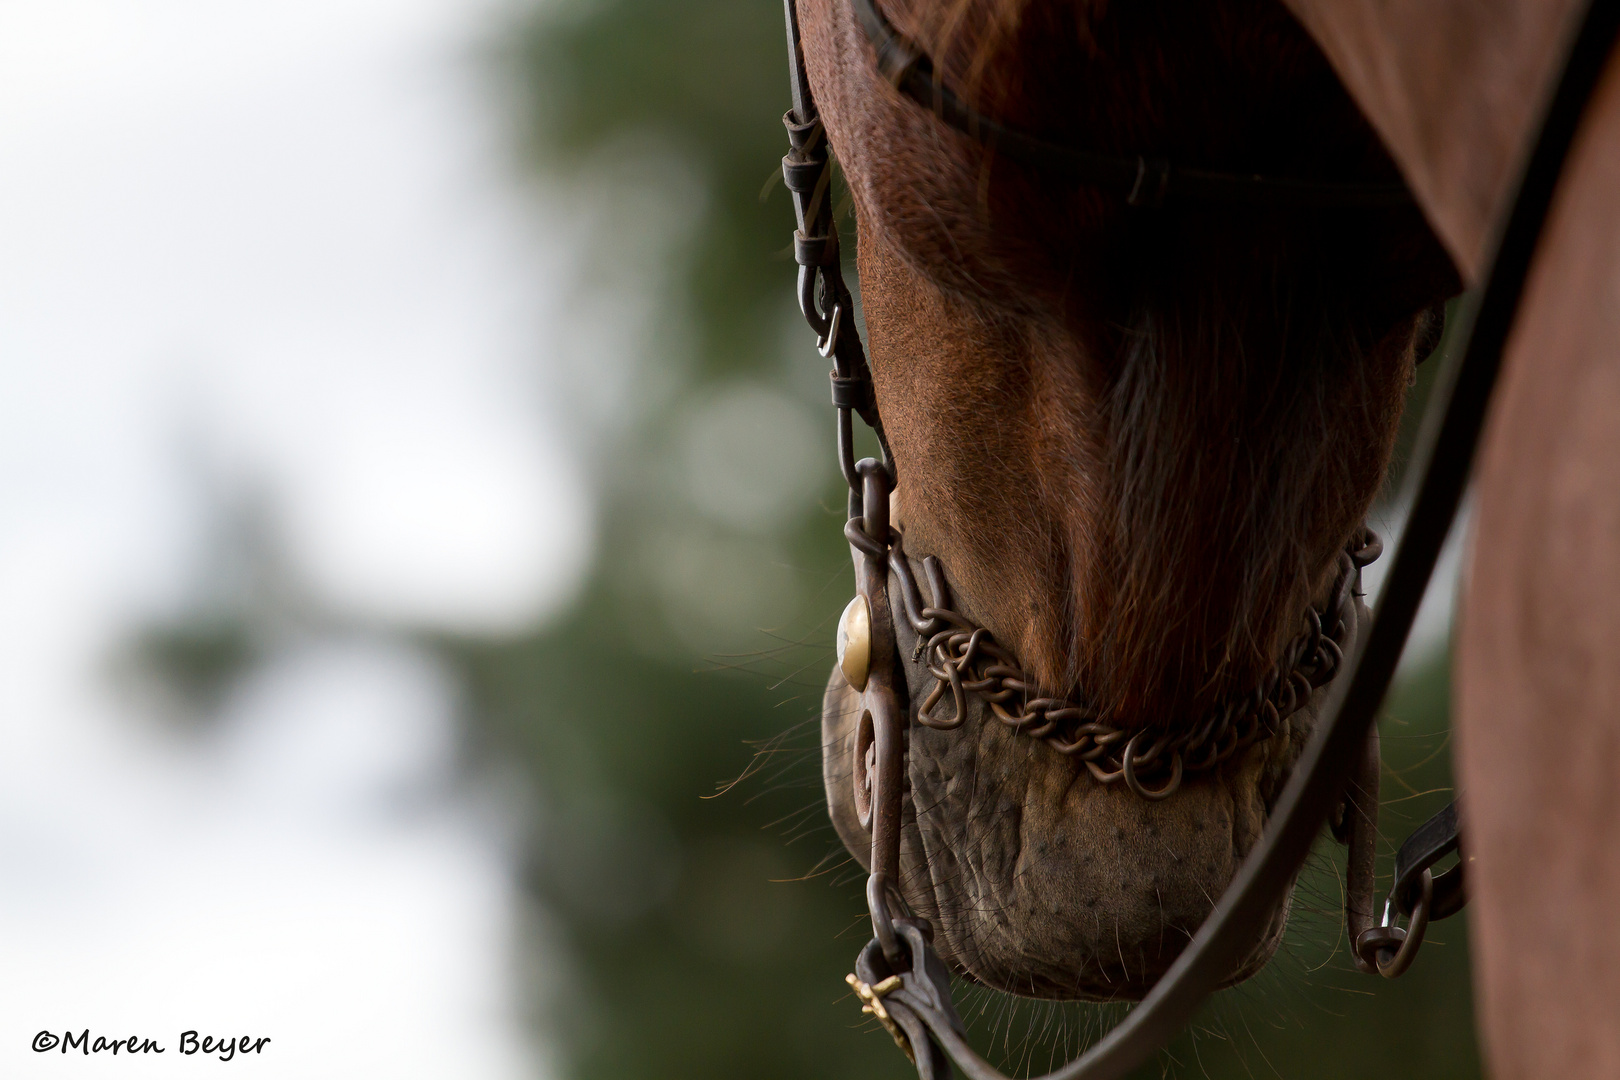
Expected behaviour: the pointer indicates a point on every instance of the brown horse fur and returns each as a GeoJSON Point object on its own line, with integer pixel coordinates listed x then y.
{"type": "Point", "coordinates": [1136, 439]}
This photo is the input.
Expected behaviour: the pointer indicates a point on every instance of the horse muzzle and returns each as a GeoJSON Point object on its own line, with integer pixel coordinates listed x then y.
{"type": "Point", "coordinates": [1037, 879]}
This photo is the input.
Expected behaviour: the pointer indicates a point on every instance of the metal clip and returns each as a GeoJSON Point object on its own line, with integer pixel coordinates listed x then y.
{"type": "Point", "coordinates": [827, 345]}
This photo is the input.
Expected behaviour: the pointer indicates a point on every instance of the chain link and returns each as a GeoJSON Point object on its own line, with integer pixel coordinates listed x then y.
{"type": "Point", "coordinates": [965, 659]}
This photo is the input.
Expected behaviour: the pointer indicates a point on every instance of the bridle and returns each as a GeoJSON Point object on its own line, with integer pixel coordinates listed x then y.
{"type": "Point", "coordinates": [898, 976]}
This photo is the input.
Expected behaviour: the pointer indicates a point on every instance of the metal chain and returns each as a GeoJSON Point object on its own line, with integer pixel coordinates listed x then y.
{"type": "Point", "coordinates": [965, 659]}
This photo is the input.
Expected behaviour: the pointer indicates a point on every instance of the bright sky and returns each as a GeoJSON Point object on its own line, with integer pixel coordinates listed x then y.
{"type": "Point", "coordinates": [275, 239]}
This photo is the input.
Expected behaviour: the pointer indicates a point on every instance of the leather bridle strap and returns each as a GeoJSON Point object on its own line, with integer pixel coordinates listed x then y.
{"type": "Point", "coordinates": [1446, 446]}
{"type": "Point", "coordinates": [1143, 180]}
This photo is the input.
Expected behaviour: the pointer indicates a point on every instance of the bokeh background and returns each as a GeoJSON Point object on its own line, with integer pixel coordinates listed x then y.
{"type": "Point", "coordinates": [419, 547]}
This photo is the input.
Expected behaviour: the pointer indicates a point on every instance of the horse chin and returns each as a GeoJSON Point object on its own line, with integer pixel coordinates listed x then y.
{"type": "Point", "coordinates": [1042, 882]}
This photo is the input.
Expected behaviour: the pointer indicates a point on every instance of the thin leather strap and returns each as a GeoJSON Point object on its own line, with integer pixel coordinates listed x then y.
{"type": "Point", "coordinates": [1142, 180]}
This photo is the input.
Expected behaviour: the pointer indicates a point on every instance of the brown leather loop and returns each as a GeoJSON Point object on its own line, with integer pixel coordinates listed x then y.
{"type": "Point", "coordinates": [802, 176]}
{"type": "Point", "coordinates": [851, 393]}
{"type": "Point", "coordinates": [815, 250]}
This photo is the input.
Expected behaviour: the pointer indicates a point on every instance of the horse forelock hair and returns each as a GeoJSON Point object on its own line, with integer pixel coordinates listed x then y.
{"type": "Point", "coordinates": [1224, 436]}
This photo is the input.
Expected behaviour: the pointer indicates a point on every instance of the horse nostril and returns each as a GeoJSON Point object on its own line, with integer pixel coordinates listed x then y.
{"type": "Point", "coordinates": [865, 767]}
{"type": "Point", "coordinates": [855, 642]}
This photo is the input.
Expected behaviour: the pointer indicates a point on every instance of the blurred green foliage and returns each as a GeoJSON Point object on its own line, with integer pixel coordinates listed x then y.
{"type": "Point", "coordinates": [690, 957]}
{"type": "Point", "coordinates": [700, 86]}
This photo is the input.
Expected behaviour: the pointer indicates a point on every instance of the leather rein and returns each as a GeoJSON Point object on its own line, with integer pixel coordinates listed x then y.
{"type": "Point", "coordinates": [900, 979]}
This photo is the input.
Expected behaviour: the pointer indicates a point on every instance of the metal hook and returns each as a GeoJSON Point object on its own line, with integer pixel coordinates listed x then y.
{"type": "Point", "coordinates": [828, 345]}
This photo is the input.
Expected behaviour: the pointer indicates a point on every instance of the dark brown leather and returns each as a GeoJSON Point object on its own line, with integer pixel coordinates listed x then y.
{"type": "Point", "coordinates": [1142, 181]}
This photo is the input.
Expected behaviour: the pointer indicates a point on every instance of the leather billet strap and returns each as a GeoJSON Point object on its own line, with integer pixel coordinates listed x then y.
{"type": "Point", "coordinates": [1441, 463]}
{"type": "Point", "coordinates": [1427, 845]}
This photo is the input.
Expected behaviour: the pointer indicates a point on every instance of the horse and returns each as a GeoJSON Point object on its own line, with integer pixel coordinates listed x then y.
{"type": "Point", "coordinates": [1130, 444]}
{"type": "Point", "coordinates": [1454, 94]}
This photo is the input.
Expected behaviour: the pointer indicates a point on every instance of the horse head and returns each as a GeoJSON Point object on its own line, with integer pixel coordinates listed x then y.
{"type": "Point", "coordinates": [1135, 439]}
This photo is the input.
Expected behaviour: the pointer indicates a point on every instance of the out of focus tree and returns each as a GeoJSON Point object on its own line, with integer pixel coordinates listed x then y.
{"type": "Point", "coordinates": [658, 125]}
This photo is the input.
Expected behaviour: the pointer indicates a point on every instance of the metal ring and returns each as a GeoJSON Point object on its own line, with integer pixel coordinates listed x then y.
{"type": "Point", "coordinates": [1128, 768]}
{"type": "Point", "coordinates": [1415, 929]}
{"type": "Point", "coordinates": [877, 902]}
{"type": "Point", "coordinates": [1373, 940]}
{"type": "Point", "coordinates": [1372, 546]}
{"type": "Point", "coordinates": [1374, 943]}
